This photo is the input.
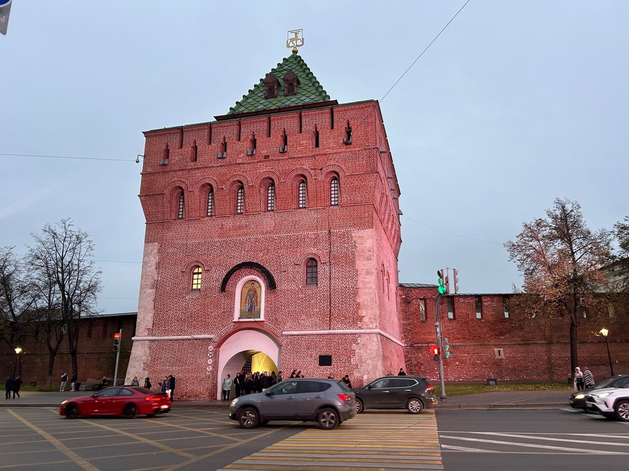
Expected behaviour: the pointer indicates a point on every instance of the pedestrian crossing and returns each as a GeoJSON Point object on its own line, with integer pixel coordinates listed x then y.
{"type": "Point", "coordinates": [369, 441]}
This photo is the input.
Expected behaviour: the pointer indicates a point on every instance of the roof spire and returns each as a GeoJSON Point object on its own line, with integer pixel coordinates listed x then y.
{"type": "Point", "coordinates": [296, 40]}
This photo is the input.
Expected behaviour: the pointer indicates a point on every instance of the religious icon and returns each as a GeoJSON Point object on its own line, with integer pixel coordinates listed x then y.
{"type": "Point", "coordinates": [250, 300]}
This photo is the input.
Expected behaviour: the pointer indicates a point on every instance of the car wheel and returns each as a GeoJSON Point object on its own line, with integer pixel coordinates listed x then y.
{"type": "Point", "coordinates": [414, 406]}
{"type": "Point", "coordinates": [72, 411]}
{"type": "Point", "coordinates": [130, 411]}
{"type": "Point", "coordinates": [359, 406]}
{"type": "Point", "coordinates": [622, 411]}
{"type": "Point", "coordinates": [328, 419]}
{"type": "Point", "coordinates": [248, 417]}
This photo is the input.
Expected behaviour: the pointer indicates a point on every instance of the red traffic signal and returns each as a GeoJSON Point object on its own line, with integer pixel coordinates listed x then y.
{"type": "Point", "coordinates": [117, 336]}
{"type": "Point", "coordinates": [434, 350]}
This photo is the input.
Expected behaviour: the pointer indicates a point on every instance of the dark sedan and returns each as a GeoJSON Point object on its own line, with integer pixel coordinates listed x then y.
{"type": "Point", "coordinates": [122, 401]}
{"type": "Point", "coordinates": [412, 393]}
{"type": "Point", "coordinates": [577, 399]}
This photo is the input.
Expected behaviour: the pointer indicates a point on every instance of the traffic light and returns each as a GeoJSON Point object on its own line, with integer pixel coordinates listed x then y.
{"type": "Point", "coordinates": [447, 282]}
{"type": "Point", "coordinates": [456, 280]}
{"type": "Point", "coordinates": [435, 352]}
{"type": "Point", "coordinates": [116, 341]}
{"type": "Point", "coordinates": [446, 348]}
{"type": "Point", "coordinates": [442, 287]}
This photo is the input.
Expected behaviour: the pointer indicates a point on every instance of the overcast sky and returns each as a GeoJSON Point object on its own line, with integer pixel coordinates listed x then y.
{"type": "Point", "coordinates": [515, 104]}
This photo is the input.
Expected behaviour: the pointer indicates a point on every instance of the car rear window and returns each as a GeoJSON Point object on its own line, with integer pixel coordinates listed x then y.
{"type": "Point", "coordinates": [312, 386]}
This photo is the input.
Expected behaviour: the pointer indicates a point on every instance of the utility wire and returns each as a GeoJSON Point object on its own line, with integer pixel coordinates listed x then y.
{"type": "Point", "coordinates": [418, 57]}
{"type": "Point", "coordinates": [66, 157]}
{"type": "Point", "coordinates": [452, 233]}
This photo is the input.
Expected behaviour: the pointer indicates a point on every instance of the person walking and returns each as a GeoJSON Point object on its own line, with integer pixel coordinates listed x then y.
{"type": "Point", "coordinates": [135, 381]}
{"type": "Point", "coordinates": [64, 381]}
{"type": "Point", "coordinates": [8, 386]}
{"type": "Point", "coordinates": [17, 383]}
{"type": "Point", "coordinates": [73, 381]}
{"type": "Point", "coordinates": [227, 387]}
{"type": "Point", "coordinates": [578, 379]}
{"type": "Point", "coordinates": [588, 378]}
{"type": "Point", "coordinates": [347, 382]}
{"type": "Point", "coordinates": [147, 383]}
{"type": "Point", "coordinates": [401, 372]}
{"type": "Point", "coordinates": [238, 383]}
{"type": "Point", "coordinates": [171, 386]}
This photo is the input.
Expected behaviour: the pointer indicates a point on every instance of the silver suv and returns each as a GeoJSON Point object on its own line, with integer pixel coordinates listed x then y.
{"type": "Point", "coordinates": [612, 403]}
{"type": "Point", "coordinates": [326, 401]}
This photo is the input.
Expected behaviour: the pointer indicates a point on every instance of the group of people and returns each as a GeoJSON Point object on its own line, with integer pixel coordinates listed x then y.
{"type": "Point", "coordinates": [166, 386]}
{"type": "Point", "coordinates": [12, 385]}
{"type": "Point", "coordinates": [583, 379]}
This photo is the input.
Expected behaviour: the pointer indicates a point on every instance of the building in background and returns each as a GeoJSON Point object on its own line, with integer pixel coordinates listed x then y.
{"type": "Point", "coordinates": [272, 236]}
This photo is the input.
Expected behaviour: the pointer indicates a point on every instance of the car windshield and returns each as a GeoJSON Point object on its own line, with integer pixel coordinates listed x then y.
{"type": "Point", "coordinates": [605, 383]}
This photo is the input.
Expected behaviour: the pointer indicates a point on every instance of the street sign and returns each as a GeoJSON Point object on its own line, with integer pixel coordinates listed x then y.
{"type": "Point", "coordinates": [5, 8]}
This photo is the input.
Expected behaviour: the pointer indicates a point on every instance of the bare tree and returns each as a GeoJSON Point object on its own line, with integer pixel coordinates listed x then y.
{"type": "Point", "coordinates": [15, 299]}
{"type": "Point", "coordinates": [621, 230]}
{"type": "Point", "coordinates": [561, 259]}
{"type": "Point", "coordinates": [62, 259]}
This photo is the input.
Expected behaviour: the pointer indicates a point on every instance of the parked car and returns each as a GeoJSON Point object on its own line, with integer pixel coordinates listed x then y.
{"type": "Point", "coordinates": [610, 402]}
{"type": "Point", "coordinates": [326, 401]}
{"type": "Point", "coordinates": [577, 399]}
{"type": "Point", "coordinates": [412, 393]}
{"type": "Point", "coordinates": [123, 401]}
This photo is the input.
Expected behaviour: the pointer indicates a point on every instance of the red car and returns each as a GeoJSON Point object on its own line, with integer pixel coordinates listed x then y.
{"type": "Point", "coordinates": [123, 401]}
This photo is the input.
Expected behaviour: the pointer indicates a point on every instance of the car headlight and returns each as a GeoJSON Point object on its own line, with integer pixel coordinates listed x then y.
{"type": "Point", "coordinates": [579, 396]}
{"type": "Point", "coordinates": [603, 394]}
{"type": "Point", "coordinates": [64, 402]}
{"type": "Point", "coordinates": [234, 402]}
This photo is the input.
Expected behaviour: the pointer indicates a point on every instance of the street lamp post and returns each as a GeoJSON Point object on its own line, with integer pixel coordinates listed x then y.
{"type": "Point", "coordinates": [18, 350]}
{"type": "Point", "coordinates": [604, 332]}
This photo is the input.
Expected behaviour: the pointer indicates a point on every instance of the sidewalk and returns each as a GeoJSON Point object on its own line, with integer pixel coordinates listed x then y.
{"type": "Point", "coordinates": [524, 399]}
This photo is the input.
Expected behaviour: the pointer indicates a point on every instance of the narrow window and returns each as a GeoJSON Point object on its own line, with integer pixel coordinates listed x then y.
{"type": "Point", "coordinates": [210, 203]}
{"type": "Point", "coordinates": [195, 152]}
{"type": "Point", "coordinates": [270, 198]}
{"type": "Point", "coordinates": [252, 145]}
{"type": "Point", "coordinates": [284, 145]}
{"type": "Point", "coordinates": [312, 275]}
{"type": "Point", "coordinates": [479, 307]}
{"type": "Point", "coordinates": [334, 192]}
{"type": "Point", "coordinates": [197, 274]}
{"type": "Point", "coordinates": [422, 310]}
{"type": "Point", "coordinates": [611, 310]}
{"type": "Point", "coordinates": [240, 200]}
{"type": "Point", "coordinates": [347, 140]}
{"type": "Point", "coordinates": [302, 194]}
{"type": "Point", "coordinates": [181, 206]}
{"type": "Point", "coordinates": [450, 308]}
{"type": "Point", "coordinates": [316, 136]}
{"type": "Point", "coordinates": [499, 352]}
{"type": "Point", "coordinates": [505, 306]}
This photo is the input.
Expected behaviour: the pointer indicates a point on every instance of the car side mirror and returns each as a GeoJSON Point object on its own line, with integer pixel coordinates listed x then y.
{"type": "Point", "coordinates": [268, 393]}
{"type": "Point", "coordinates": [369, 387]}
{"type": "Point", "coordinates": [95, 394]}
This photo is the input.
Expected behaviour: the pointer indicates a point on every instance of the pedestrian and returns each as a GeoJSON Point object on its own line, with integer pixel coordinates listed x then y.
{"type": "Point", "coordinates": [227, 387]}
{"type": "Point", "coordinates": [135, 382]}
{"type": "Point", "coordinates": [401, 372]}
{"type": "Point", "coordinates": [238, 383]}
{"type": "Point", "coordinates": [588, 378]}
{"type": "Point", "coordinates": [171, 386]}
{"type": "Point", "coordinates": [17, 382]}
{"type": "Point", "coordinates": [8, 386]}
{"type": "Point", "coordinates": [578, 379]}
{"type": "Point", "coordinates": [147, 383]}
{"type": "Point", "coordinates": [64, 380]}
{"type": "Point", "coordinates": [164, 386]}
{"type": "Point", "coordinates": [347, 382]}
{"type": "Point", "coordinates": [279, 377]}
{"type": "Point", "coordinates": [293, 374]}
{"type": "Point", "coordinates": [102, 384]}
{"type": "Point", "coordinates": [73, 381]}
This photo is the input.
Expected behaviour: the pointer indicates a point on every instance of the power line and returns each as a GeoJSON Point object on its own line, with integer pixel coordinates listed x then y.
{"type": "Point", "coordinates": [409, 68]}
{"type": "Point", "coordinates": [452, 233]}
{"type": "Point", "coordinates": [66, 157]}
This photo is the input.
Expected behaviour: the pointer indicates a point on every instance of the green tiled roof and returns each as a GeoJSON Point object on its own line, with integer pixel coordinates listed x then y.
{"type": "Point", "coordinates": [309, 89]}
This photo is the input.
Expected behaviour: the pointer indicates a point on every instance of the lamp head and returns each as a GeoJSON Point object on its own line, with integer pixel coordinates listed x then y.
{"type": "Point", "coordinates": [604, 331]}
{"type": "Point", "coordinates": [18, 350]}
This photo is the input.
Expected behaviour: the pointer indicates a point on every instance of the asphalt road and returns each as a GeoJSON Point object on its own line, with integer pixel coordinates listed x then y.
{"type": "Point", "coordinates": [552, 439]}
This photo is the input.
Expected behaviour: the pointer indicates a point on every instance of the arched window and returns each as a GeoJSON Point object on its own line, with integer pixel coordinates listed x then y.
{"type": "Point", "coordinates": [302, 194]}
{"type": "Point", "coordinates": [240, 200]}
{"type": "Point", "coordinates": [312, 272]}
{"type": "Point", "coordinates": [181, 206]}
{"type": "Point", "coordinates": [270, 198]}
{"type": "Point", "coordinates": [334, 192]}
{"type": "Point", "coordinates": [210, 202]}
{"type": "Point", "coordinates": [197, 275]}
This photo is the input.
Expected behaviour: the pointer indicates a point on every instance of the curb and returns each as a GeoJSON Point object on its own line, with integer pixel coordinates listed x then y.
{"type": "Point", "coordinates": [501, 406]}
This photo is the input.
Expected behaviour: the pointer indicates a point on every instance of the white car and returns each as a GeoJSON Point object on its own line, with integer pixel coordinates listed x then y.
{"type": "Point", "coordinates": [610, 402]}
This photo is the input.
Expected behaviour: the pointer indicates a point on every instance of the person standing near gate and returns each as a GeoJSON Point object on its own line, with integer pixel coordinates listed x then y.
{"type": "Point", "coordinates": [227, 387]}
{"type": "Point", "coordinates": [64, 380]}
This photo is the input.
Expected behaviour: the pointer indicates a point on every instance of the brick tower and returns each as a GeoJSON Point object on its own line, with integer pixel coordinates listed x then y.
{"type": "Point", "coordinates": [272, 236]}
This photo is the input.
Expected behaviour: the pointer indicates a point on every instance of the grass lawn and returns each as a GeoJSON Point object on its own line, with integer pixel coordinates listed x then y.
{"type": "Point", "coordinates": [461, 389]}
